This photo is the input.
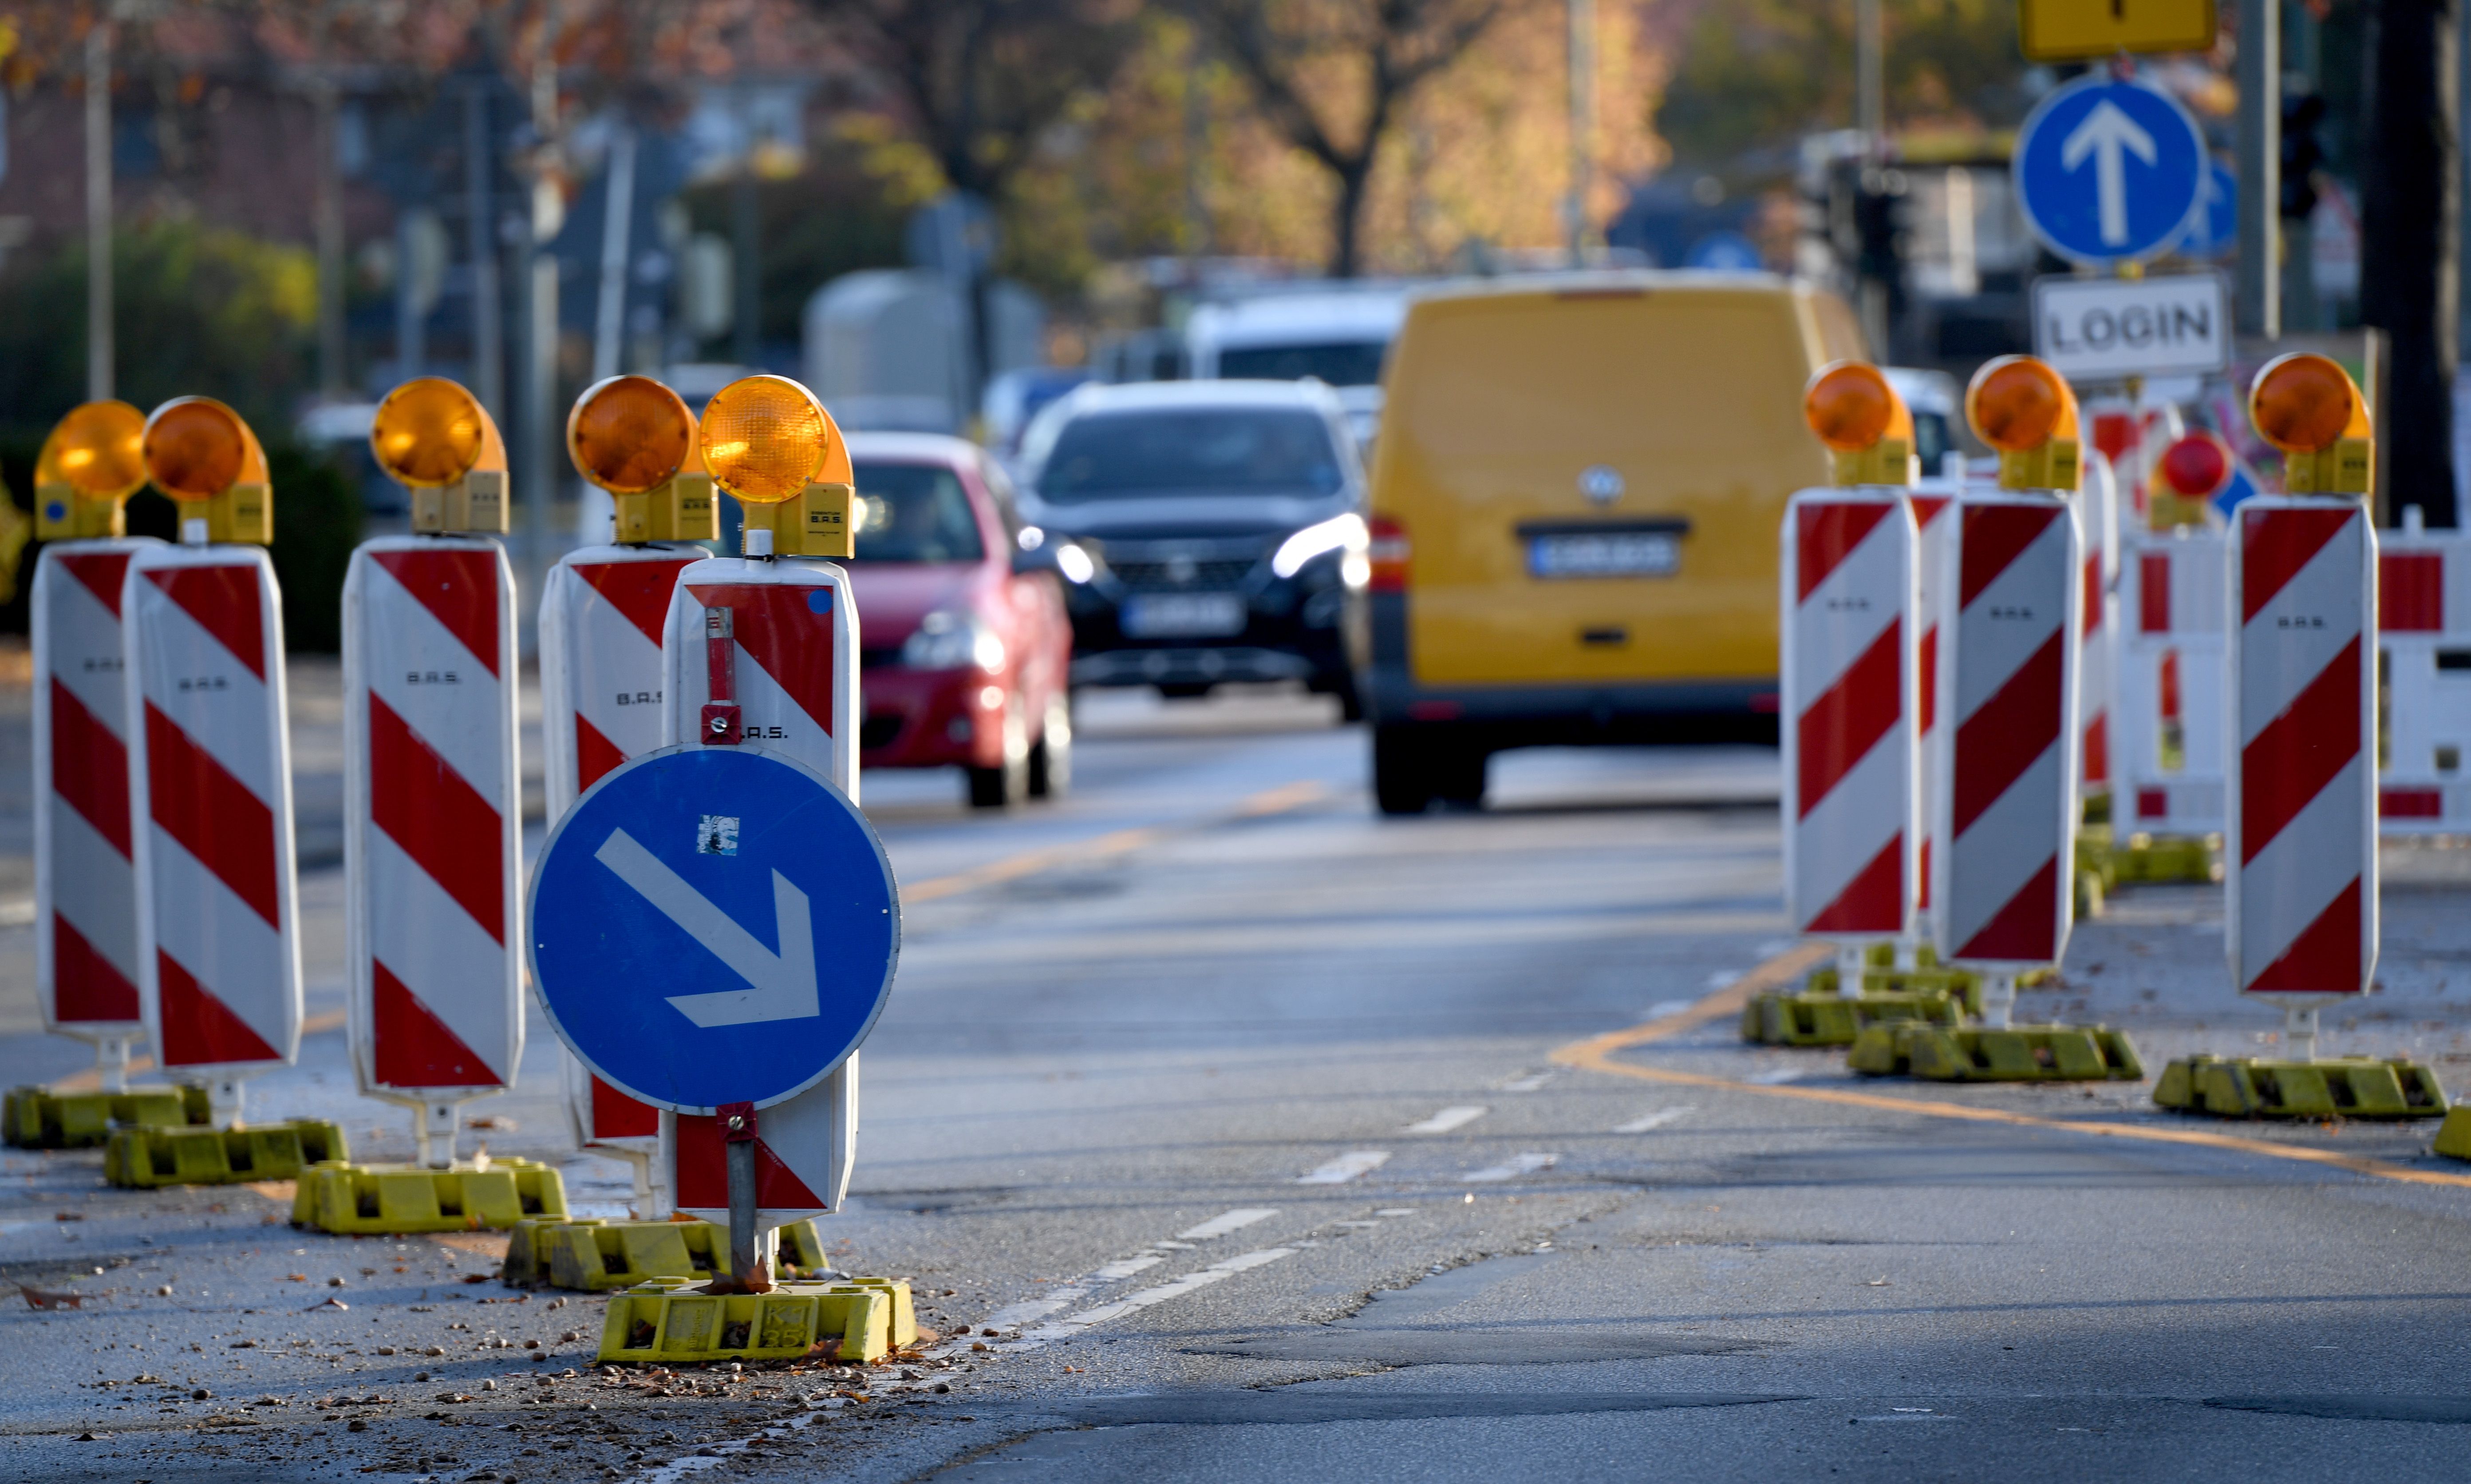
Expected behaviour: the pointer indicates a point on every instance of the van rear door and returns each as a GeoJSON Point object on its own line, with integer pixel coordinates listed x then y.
{"type": "Point", "coordinates": [1590, 479]}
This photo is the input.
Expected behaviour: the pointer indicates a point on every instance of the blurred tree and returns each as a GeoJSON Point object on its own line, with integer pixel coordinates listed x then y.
{"type": "Point", "coordinates": [1760, 73]}
{"type": "Point", "coordinates": [200, 309]}
{"type": "Point", "coordinates": [1334, 77]}
{"type": "Point", "coordinates": [833, 218]}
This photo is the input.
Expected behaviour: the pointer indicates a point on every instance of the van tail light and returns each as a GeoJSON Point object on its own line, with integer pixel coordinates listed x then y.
{"type": "Point", "coordinates": [1388, 553]}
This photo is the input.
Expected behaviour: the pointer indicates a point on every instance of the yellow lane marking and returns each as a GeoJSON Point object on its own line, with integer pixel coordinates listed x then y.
{"type": "Point", "coordinates": [1597, 1054]}
{"type": "Point", "coordinates": [91, 1080]}
{"type": "Point", "coordinates": [1108, 846]}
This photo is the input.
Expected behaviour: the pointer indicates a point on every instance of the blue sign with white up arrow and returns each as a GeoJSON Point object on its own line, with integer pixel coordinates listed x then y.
{"type": "Point", "coordinates": [711, 925]}
{"type": "Point", "coordinates": [2109, 172]}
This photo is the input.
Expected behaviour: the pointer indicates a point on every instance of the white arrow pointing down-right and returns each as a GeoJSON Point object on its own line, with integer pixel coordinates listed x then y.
{"type": "Point", "coordinates": [779, 987]}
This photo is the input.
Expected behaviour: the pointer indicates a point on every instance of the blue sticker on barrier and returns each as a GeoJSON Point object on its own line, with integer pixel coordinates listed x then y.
{"type": "Point", "coordinates": [711, 925]}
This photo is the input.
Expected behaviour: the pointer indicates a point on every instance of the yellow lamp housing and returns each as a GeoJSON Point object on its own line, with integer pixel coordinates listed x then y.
{"type": "Point", "coordinates": [635, 437]}
{"type": "Point", "coordinates": [438, 441]}
{"type": "Point", "coordinates": [93, 461]}
{"type": "Point", "coordinates": [2022, 408]}
{"type": "Point", "coordinates": [1868, 429]}
{"type": "Point", "coordinates": [199, 452]}
{"type": "Point", "coordinates": [2307, 406]}
{"type": "Point", "coordinates": [769, 443]}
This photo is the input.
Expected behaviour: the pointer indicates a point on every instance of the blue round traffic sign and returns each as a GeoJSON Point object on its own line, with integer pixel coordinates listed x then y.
{"type": "Point", "coordinates": [2109, 172]}
{"type": "Point", "coordinates": [711, 925]}
{"type": "Point", "coordinates": [2213, 228]}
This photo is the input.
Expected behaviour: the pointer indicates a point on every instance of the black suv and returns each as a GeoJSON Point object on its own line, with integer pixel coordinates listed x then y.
{"type": "Point", "coordinates": [1223, 526]}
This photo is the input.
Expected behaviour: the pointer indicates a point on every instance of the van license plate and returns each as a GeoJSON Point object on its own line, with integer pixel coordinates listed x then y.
{"type": "Point", "coordinates": [1183, 616]}
{"type": "Point", "coordinates": [1611, 553]}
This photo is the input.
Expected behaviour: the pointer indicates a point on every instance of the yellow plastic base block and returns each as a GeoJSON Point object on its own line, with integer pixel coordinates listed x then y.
{"type": "Point", "coordinates": [1813, 1019]}
{"type": "Point", "coordinates": [2247, 1087]}
{"type": "Point", "coordinates": [35, 1119]}
{"type": "Point", "coordinates": [2139, 856]}
{"type": "Point", "coordinates": [394, 1200]}
{"type": "Point", "coordinates": [2454, 1135]}
{"type": "Point", "coordinates": [146, 1156]}
{"type": "Point", "coordinates": [2019, 1053]}
{"type": "Point", "coordinates": [593, 1256]}
{"type": "Point", "coordinates": [680, 1324]}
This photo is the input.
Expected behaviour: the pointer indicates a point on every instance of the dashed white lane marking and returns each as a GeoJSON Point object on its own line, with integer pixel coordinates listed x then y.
{"type": "Point", "coordinates": [1346, 1167]}
{"type": "Point", "coordinates": [1776, 1078]}
{"type": "Point", "coordinates": [1722, 978]}
{"type": "Point", "coordinates": [1448, 1119]}
{"type": "Point", "coordinates": [1528, 1083]}
{"type": "Point", "coordinates": [1516, 1165]}
{"type": "Point", "coordinates": [1657, 1120]}
{"type": "Point", "coordinates": [1664, 1007]}
{"type": "Point", "coordinates": [1397, 1210]}
{"type": "Point", "coordinates": [1221, 1225]}
{"type": "Point", "coordinates": [1175, 1289]}
{"type": "Point", "coordinates": [1125, 1267]}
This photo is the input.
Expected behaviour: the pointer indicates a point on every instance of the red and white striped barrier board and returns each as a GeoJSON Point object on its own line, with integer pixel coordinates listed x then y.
{"type": "Point", "coordinates": [2301, 849]}
{"type": "Point", "coordinates": [2168, 738]}
{"type": "Point", "coordinates": [2098, 625]}
{"type": "Point", "coordinates": [600, 618]}
{"type": "Point", "coordinates": [1851, 794]}
{"type": "Point", "coordinates": [2004, 790]}
{"type": "Point", "coordinates": [85, 882]}
{"type": "Point", "coordinates": [2424, 633]}
{"type": "Point", "coordinates": [433, 807]}
{"type": "Point", "coordinates": [791, 658]}
{"type": "Point", "coordinates": [210, 798]}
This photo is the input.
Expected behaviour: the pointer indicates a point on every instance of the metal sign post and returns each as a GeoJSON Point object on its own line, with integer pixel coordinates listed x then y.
{"type": "Point", "coordinates": [209, 766]}
{"type": "Point", "coordinates": [85, 882]}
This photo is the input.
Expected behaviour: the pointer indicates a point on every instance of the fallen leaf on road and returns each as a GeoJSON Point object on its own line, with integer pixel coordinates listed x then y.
{"type": "Point", "coordinates": [70, 1216]}
{"type": "Point", "coordinates": [38, 1298]}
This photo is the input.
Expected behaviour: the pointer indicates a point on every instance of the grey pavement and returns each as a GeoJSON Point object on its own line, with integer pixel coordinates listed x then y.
{"type": "Point", "coordinates": [1236, 1113]}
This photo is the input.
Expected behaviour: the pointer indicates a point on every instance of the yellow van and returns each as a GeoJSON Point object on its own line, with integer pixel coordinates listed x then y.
{"type": "Point", "coordinates": [1576, 494]}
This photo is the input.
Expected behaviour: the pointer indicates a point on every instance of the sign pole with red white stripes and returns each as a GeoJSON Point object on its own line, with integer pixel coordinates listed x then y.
{"type": "Point", "coordinates": [217, 943]}
{"type": "Point", "coordinates": [1851, 784]}
{"type": "Point", "coordinates": [2005, 783]}
{"type": "Point", "coordinates": [2301, 844]}
{"type": "Point", "coordinates": [763, 651]}
{"type": "Point", "coordinates": [432, 798]}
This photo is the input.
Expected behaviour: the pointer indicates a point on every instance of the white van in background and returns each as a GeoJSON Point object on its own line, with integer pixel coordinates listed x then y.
{"type": "Point", "coordinates": [1338, 335]}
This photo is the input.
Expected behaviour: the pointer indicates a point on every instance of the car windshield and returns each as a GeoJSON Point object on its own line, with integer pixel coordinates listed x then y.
{"type": "Point", "coordinates": [1339, 362]}
{"type": "Point", "coordinates": [914, 512]}
{"type": "Point", "coordinates": [1107, 456]}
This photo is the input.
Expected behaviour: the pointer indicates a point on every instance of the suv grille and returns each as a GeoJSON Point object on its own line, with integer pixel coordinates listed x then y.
{"type": "Point", "coordinates": [1206, 575]}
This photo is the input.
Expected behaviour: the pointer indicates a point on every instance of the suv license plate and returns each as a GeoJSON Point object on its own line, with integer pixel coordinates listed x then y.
{"type": "Point", "coordinates": [1183, 616]}
{"type": "Point", "coordinates": [1615, 553]}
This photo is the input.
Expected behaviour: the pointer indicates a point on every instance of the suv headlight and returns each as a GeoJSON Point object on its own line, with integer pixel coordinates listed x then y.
{"type": "Point", "coordinates": [949, 641]}
{"type": "Point", "coordinates": [1339, 533]}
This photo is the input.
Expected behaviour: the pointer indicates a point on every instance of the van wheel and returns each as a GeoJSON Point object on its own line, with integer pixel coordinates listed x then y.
{"type": "Point", "coordinates": [1051, 757]}
{"type": "Point", "coordinates": [1458, 775]}
{"type": "Point", "coordinates": [1400, 783]}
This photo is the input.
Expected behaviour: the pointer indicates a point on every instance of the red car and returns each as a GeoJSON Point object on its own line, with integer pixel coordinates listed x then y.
{"type": "Point", "coordinates": [967, 653]}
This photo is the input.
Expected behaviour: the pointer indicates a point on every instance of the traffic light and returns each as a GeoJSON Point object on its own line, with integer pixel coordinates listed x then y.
{"type": "Point", "coordinates": [2022, 408]}
{"type": "Point", "coordinates": [768, 441]}
{"type": "Point", "coordinates": [199, 452]}
{"type": "Point", "coordinates": [1867, 428]}
{"type": "Point", "coordinates": [438, 442]}
{"type": "Point", "coordinates": [2301, 153]}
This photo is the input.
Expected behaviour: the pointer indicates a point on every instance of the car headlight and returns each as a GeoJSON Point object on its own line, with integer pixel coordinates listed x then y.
{"type": "Point", "coordinates": [949, 641]}
{"type": "Point", "coordinates": [1339, 533]}
{"type": "Point", "coordinates": [1074, 563]}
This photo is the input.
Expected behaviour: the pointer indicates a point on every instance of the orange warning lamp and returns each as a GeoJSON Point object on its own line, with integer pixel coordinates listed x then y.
{"type": "Point", "coordinates": [93, 462]}
{"type": "Point", "coordinates": [2022, 408]}
{"type": "Point", "coordinates": [1867, 427]}
{"type": "Point", "coordinates": [438, 439]}
{"type": "Point", "coordinates": [767, 440]}
{"type": "Point", "coordinates": [2308, 407]}
{"type": "Point", "coordinates": [635, 437]}
{"type": "Point", "coordinates": [203, 454]}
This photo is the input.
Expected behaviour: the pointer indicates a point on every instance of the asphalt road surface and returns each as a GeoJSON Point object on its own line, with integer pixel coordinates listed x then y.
{"type": "Point", "coordinates": [1272, 1139]}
